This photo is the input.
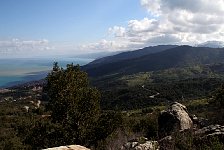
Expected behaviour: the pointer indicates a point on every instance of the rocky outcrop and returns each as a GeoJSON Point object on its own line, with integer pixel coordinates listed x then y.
{"type": "Point", "coordinates": [199, 122]}
{"type": "Point", "coordinates": [70, 147]}
{"type": "Point", "coordinates": [212, 131]}
{"type": "Point", "coordinates": [147, 145]}
{"type": "Point", "coordinates": [175, 118]}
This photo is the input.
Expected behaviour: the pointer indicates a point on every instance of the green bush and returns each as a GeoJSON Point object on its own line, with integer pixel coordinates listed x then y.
{"type": "Point", "coordinates": [219, 96]}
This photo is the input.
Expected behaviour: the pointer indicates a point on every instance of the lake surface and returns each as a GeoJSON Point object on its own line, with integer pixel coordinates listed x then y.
{"type": "Point", "coordinates": [18, 70]}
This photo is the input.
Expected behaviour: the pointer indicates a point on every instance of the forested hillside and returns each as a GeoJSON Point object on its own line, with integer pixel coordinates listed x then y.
{"type": "Point", "coordinates": [177, 57]}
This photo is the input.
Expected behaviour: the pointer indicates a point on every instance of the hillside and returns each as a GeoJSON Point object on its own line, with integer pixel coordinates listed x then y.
{"type": "Point", "coordinates": [180, 56]}
{"type": "Point", "coordinates": [130, 55]}
{"type": "Point", "coordinates": [182, 73]}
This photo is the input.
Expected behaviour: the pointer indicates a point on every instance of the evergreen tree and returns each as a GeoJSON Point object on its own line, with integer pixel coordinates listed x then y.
{"type": "Point", "coordinates": [73, 103]}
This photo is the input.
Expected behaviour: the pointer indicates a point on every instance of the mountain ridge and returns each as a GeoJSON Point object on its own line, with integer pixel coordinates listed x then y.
{"type": "Point", "coordinates": [174, 57]}
{"type": "Point", "coordinates": [132, 54]}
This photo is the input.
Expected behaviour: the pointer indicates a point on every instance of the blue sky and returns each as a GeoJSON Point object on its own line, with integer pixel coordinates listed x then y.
{"type": "Point", "coordinates": [47, 27]}
{"type": "Point", "coordinates": [78, 21]}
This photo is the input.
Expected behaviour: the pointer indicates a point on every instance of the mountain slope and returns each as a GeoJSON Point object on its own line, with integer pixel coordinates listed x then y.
{"type": "Point", "coordinates": [175, 57]}
{"type": "Point", "coordinates": [131, 54]}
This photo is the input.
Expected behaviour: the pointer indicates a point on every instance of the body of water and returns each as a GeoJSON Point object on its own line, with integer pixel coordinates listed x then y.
{"type": "Point", "coordinates": [14, 71]}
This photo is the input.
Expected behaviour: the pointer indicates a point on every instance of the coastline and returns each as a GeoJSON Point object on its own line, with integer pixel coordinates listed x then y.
{"type": "Point", "coordinates": [19, 71]}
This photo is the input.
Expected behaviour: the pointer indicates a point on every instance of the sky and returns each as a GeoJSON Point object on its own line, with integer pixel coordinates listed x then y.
{"type": "Point", "coordinates": [32, 28]}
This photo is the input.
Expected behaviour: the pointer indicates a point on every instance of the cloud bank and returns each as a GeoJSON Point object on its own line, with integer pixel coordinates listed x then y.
{"type": "Point", "coordinates": [170, 22]}
{"type": "Point", "coordinates": [16, 47]}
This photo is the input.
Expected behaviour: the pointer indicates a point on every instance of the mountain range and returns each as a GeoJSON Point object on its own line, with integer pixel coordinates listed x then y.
{"type": "Point", "coordinates": [212, 44]}
{"type": "Point", "coordinates": [153, 59]}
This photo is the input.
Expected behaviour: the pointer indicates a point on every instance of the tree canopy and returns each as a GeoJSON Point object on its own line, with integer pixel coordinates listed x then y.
{"type": "Point", "coordinates": [73, 103]}
{"type": "Point", "coordinates": [219, 96]}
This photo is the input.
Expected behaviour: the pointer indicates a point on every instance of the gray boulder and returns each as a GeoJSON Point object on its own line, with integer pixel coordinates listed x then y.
{"type": "Point", "coordinates": [147, 145]}
{"type": "Point", "coordinates": [176, 118]}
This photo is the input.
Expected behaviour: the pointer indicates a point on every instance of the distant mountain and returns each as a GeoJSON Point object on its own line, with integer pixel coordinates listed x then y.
{"type": "Point", "coordinates": [212, 44]}
{"type": "Point", "coordinates": [180, 56]}
{"type": "Point", "coordinates": [96, 55]}
{"type": "Point", "coordinates": [129, 55]}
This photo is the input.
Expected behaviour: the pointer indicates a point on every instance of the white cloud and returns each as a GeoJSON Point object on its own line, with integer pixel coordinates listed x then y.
{"type": "Point", "coordinates": [117, 31]}
{"type": "Point", "coordinates": [16, 47]}
{"type": "Point", "coordinates": [190, 16]}
{"type": "Point", "coordinates": [145, 25]}
{"type": "Point", "coordinates": [10, 48]}
{"type": "Point", "coordinates": [105, 45]}
{"type": "Point", "coordinates": [16, 44]}
{"type": "Point", "coordinates": [169, 22]}
{"type": "Point", "coordinates": [152, 6]}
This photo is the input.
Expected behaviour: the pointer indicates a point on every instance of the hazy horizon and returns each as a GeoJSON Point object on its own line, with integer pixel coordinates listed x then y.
{"type": "Point", "coordinates": [22, 70]}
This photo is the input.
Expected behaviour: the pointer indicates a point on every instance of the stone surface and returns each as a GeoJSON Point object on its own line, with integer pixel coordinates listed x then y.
{"type": "Point", "coordinates": [70, 147]}
{"type": "Point", "coordinates": [166, 143]}
{"type": "Point", "coordinates": [148, 145]}
{"type": "Point", "coordinates": [175, 118]}
{"type": "Point", "coordinates": [210, 130]}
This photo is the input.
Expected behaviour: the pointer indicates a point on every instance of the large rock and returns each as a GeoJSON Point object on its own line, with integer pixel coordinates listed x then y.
{"type": "Point", "coordinates": [147, 145]}
{"type": "Point", "coordinates": [70, 147]}
{"type": "Point", "coordinates": [174, 119]}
